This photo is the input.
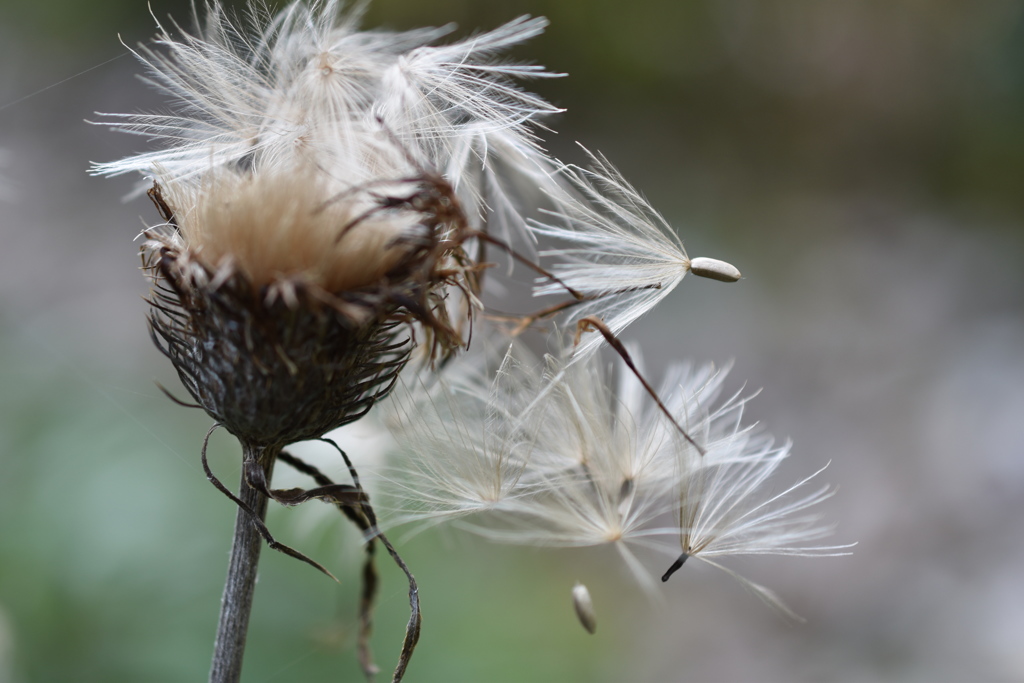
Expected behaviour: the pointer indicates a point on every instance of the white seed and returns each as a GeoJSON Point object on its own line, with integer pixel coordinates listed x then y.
{"type": "Point", "coordinates": [584, 607]}
{"type": "Point", "coordinates": [714, 269]}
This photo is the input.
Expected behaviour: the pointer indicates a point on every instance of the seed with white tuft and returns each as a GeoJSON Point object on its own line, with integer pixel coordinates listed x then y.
{"type": "Point", "coordinates": [714, 269]}
{"type": "Point", "coordinates": [675, 567]}
{"type": "Point", "coordinates": [584, 607]}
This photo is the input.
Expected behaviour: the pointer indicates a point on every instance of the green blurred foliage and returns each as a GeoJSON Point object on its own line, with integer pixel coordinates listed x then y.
{"type": "Point", "coordinates": [726, 112]}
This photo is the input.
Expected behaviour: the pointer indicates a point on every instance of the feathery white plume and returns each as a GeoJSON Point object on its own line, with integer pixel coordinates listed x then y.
{"type": "Point", "coordinates": [602, 466]}
{"type": "Point", "coordinates": [466, 447]}
{"type": "Point", "coordinates": [307, 87]}
{"type": "Point", "coordinates": [620, 253]}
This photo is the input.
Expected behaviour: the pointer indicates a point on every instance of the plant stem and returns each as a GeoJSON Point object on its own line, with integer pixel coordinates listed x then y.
{"type": "Point", "coordinates": [236, 602]}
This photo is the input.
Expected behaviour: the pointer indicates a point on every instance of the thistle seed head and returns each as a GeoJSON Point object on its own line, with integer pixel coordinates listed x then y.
{"type": "Point", "coordinates": [278, 225]}
{"type": "Point", "coordinates": [287, 315]}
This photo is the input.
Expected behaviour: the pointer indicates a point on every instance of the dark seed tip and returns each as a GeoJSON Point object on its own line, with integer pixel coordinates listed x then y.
{"type": "Point", "coordinates": [674, 568]}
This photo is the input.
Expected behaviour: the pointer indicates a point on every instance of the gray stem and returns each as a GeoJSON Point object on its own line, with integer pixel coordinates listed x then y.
{"type": "Point", "coordinates": [236, 603]}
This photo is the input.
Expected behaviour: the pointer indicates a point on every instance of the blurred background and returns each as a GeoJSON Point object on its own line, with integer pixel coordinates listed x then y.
{"type": "Point", "coordinates": [860, 161]}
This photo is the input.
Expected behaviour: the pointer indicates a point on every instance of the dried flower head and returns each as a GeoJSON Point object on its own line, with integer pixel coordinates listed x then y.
{"type": "Point", "coordinates": [306, 217]}
{"type": "Point", "coordinates": [282, 344]}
